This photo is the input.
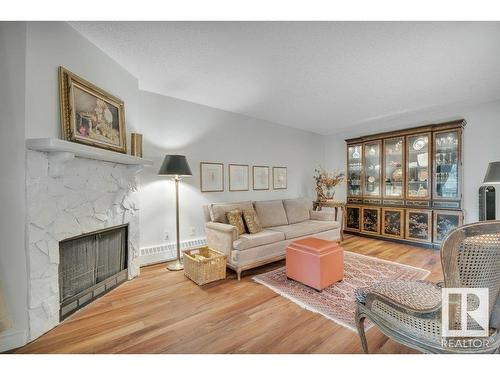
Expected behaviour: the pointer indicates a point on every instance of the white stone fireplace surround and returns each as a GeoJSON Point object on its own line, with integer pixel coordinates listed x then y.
{"type": "Point", "coordinates": [68, 196]}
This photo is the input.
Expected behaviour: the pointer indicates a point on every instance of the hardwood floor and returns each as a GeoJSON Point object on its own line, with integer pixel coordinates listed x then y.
{"type": "Point", "coordinates": [164, 312]}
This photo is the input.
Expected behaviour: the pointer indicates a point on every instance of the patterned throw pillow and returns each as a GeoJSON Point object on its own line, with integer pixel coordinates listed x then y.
{"type": "Point", "coordinates": [234, 218]}
{"type": "Point", "coordinates": [252, 221]}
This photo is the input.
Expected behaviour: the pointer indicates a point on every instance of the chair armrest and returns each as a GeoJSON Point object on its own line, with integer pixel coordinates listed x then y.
{"type": "Point", "coordinates": [418, 298]}
{"type": "Point", "coordinates": [220, 237]}
{"type": "Point", "coordinates": [322, 215]}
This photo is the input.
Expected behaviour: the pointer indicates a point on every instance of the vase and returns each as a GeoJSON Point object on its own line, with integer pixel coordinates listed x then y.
{"type": "Point", "coordinates": [136, 145]}
{"type": "Point", "coordinates": [330, 193]}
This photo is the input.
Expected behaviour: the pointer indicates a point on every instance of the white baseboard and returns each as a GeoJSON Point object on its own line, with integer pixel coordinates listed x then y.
{"type": "Point", "coordinates": [166, 252]}
{"type": "Point", "coordinates": [12, 339]}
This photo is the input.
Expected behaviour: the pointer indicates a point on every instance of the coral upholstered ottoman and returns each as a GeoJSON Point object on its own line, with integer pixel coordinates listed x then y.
{"type": "Point", "coordinates": [315, 262]}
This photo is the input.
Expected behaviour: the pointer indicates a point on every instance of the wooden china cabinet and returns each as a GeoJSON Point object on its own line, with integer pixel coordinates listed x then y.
{"type": "Point", "coordinates": [406, 185]}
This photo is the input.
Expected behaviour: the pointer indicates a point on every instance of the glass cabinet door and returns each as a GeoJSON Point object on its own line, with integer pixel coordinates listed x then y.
{"type": "Point", "coordinates": [371, 182]}
{"type": "Point", "coordinates": [393, 168]}
{"type": "Point", "coordinates": [354, 168]}
{"type": "Point", "coordinates": [446, 165]}
{"type": "Point", "coordinates": [417, 166]}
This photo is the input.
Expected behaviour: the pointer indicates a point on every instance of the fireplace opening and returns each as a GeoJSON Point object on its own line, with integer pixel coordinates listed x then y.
{"type": "Point", "coordinates": [91, 265]}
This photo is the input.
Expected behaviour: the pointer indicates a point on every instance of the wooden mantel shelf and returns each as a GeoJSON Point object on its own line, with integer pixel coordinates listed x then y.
{"type": "Point", "coordinates": [83, 151]}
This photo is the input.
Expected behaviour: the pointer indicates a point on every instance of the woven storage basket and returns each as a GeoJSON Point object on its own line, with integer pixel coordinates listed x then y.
{"type": "Point", "coordinates": [204, 265]}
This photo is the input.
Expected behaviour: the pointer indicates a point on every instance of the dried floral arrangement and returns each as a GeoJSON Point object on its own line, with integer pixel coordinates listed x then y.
{"type": "Point", "coordinates": [326, 182]}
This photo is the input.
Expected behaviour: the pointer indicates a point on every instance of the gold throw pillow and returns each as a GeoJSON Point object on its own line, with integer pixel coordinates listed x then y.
{"type": "Point", "coordinates": [234, 218]}
{"type": "Point", "coordinates": [252, 221]}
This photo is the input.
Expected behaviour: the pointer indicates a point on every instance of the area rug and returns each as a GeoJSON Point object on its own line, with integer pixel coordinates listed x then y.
{"type": "Point", "coordinates": [337, 302]}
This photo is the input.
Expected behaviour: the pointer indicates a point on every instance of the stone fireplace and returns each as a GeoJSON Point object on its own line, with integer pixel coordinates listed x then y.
{"type": "Point", "coordinates": [68, 196]}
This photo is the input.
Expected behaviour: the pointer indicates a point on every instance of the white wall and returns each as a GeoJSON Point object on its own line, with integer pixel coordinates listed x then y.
{"type": "Point", "coordinates": [13, 279]}
{"type": "Point", "coordinates": [54, 44]}
{"type": "Point", "coordinates": [208, 134]}
{"type": "Point", "coordinates": [481, 142]}
{"type": "Point", "coordinates": [168, 126]}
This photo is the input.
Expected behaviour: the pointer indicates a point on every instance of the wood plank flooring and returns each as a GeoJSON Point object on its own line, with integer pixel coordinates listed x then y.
{"type": "Point", "coordinates": [164, 312]}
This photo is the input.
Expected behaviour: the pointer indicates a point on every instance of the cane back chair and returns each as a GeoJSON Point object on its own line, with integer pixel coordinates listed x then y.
{"type": "Point", "coordinates": [409, 312]}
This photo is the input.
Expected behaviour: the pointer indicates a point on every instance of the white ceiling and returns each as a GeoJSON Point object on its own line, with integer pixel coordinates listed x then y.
{"type": "Point", "coordinates": [319, 76]}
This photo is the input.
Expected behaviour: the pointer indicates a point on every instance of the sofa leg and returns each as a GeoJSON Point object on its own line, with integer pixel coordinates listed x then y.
{"type": "Point", "coordinates": [360, 324]}
{"type": "Point", "coordinates": [238, 273]}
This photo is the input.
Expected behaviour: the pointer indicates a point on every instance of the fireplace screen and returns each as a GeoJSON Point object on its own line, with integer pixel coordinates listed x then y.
{"type": "Point", "coordinates": [91, 265]}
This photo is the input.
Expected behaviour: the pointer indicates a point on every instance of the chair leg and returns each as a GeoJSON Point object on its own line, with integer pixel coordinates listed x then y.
{"type": "Point", "coordinates": [360, 324]}
{"type": "Point", "coordinates": [238, 273]}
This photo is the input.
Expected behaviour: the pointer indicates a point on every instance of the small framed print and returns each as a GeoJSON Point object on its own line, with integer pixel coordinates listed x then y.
{"type": "Point", "coordinates": [279, 178]}
{"type": "Point", "coordinates": [260, 177]}
{"type": "Point", "coordinates": [238, 177]}
{"type": "Point", "coordinates": [211, 177]}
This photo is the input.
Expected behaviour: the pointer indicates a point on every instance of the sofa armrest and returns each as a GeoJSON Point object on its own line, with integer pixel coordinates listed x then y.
{"type": "Point", "coordinates": [220, 237]}
{"type": "Point", "coordinates": [322, 215]}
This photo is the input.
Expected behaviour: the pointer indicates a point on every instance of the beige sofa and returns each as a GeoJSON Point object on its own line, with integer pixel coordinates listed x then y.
{"type": "Point", "coordinates": [284, 221]}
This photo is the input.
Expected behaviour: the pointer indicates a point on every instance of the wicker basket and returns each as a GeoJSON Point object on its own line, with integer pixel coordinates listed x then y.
{"type": "Point", "coordinates": [204, 265]}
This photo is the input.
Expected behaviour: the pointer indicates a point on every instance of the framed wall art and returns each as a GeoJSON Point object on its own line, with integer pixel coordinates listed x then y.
{"type": "Point", "coordinates": [238, 177]}
{"type": "Point", "coordinates": [260, 177]}
{"type": "Point", "coordinates": [279, 178]}
{"type": "Point", "coordinates": [211, 177]}
{"type": "Point", "coordinates": [90, 115]}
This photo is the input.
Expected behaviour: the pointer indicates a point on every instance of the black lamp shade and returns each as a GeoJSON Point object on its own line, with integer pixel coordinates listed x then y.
{"type": "Point", "coordinates": [493, 173]}
{"type": "Point", "coordinates": [175, 165]}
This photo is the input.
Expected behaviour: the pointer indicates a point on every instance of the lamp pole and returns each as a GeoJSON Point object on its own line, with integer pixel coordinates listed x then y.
{"type": "Point", "coordinates": [176, 166]}
{"type": "Point", "coordinates": [177, 265]}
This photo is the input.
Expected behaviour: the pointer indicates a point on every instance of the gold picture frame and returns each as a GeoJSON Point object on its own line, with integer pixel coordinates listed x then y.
{"type": "Point", "coordinates": [90, 115]}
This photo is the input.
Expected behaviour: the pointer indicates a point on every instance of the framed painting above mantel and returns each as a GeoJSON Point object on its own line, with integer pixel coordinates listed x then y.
{"type": "Point", "coordinates": [90, 115]}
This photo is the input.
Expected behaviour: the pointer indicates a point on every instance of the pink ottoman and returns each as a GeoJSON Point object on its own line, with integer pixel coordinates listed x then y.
{"type": "Point", "coordinates": [314, 262]}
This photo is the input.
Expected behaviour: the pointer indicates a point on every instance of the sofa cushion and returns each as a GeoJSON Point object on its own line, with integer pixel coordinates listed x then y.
{"type": "Point", "coordinates": [305, 228]}
{"type": "Point", "coordinates": [264, 237]}
{"type": "Point", "coordinates": [252, 221]}
{"type": "Point", "coordinates": [234, 217]}
{"type": "Point", "coordinates": [271, 213]}
{"type": "Point", "coordinates": [218, 210]}
{"type": "Point", "coordinates": [297, 210]}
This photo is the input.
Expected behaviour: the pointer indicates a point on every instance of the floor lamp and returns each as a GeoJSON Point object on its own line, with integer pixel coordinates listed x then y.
{"type": "Point", "coordinates": [177, 167]}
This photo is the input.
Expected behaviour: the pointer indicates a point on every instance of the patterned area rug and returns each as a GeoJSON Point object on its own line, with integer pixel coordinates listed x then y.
{"type": "Point", "coordinates": [337, 302]}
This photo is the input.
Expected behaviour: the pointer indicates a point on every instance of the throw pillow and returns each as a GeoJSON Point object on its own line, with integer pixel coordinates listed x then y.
{"type": "Point", "coordinates": [252, 221]}
{"type": "Point", "coordinates": [234, 218]}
